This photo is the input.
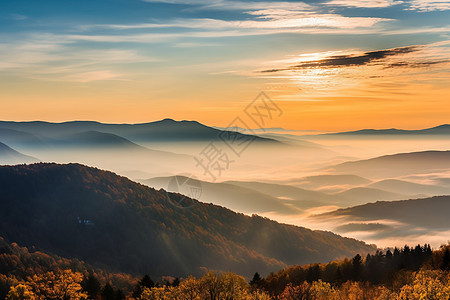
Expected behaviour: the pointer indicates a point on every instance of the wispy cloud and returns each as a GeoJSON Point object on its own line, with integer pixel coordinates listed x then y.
{"type": "Point", "coordinates": [420, 5]}
{"type": "Point", "coordinates": [93, 76]}
{"type": "Point", "coordinates": [238, 5]}
{"type": "Point", "coordinates": [337, 61]}
{"type": "Point", "coordinates": [265, 20]}
{"type": "Point", "coordinates": [363, 3]}
{"type": "Point", "coordinates": [266, 15]}
{"type": "Point", "coordinates": [353, 69]}
{"type": "Point", "coordinates": [43, 59]}
{"type": "Point", "coordinates": [429, 5]}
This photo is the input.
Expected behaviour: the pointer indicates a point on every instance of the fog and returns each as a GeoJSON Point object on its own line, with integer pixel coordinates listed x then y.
{"type": "Point", "coordinates": [291, 178]}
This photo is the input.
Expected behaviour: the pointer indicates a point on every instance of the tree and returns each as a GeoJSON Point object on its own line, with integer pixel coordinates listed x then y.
{"type": "Point", "coordinates": [147, 282]}
{"type": "Point", "coordinates": [108, 292]}
{"type": "Point", "coordinates": [426, 285]}
{"type": "Point", "coordinates": [61, 285]}
{"type": "Point", "coordinates": [259, 295]}
{"type": "Point", "coordinates": [256, 281]}
{"type": "Point", "coordinates": [190, 288]}
{"type": "Point", "coordinates": [313, 273]}
{"type": "Point", "coordinates": [210, 286]}
{"type": "Point", "coordinates": [233, 287]}
{"type": "Point", "coordinates": [20, 292]}
{"type": "Point", "coordinates": [300, 292]}
{"type": "Point", "coordinates": [321, 290]}
{"type": "Point", "coordinates": [338, 278]}
{"type": "Point", "coordinates": [92, 286]}
{"type": "Point", "coordinates": [356, 267]}
{"type": "Point", "coordinates": [176, 282]}
{"type": "Point", "coordinates": [445, 266]}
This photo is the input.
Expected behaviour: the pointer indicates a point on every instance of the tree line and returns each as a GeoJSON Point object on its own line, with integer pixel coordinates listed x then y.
{"type": "Point", "coordinates": [400, 273]}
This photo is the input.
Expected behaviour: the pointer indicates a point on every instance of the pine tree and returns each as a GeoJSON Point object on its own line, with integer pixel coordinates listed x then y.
{"type": "Point", "coordinates": [108, 292]}
{"type": "Point", "coordinates": [446, 260]}
{"type": "Point", "coordinates": [92, 286]}
{"type": "Point", "coordinates": [147, 282]}
{"type": "Point", "coordinates": [256, 281]}
{"type": "Point", "coordinates": [356, 267]}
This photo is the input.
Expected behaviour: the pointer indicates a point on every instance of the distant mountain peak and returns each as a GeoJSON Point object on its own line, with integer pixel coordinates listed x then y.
{"type": "Point", "coordinates": [437, 130]}
{"type": "Point", "coordinates": [163, 130]}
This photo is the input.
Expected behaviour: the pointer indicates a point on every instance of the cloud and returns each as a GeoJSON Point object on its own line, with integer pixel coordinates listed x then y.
{"type": "Point", "coordinates": [266, 20]}
{"type": "Point", "coordinates": [237, 5]}
{"type": "Point", "coordinates": [43, 59]}
{"type": "Point", "coordinates": [363, 3]}
{"type": "Point", "coordinates": [268, 17]}
{"type": "Point", "coordinates": [419, 5]}
{"type": "Point", "coordinates": [351, 71]}
{"type": "Point", "coordinates": [93, 76]}
{"type": "Point", "coordinates": [429, 5]}
{"type": "Point", "coordinates": [226, 5]}
{"type": "Point", "coordinates": [370, 227]}
{"type": "Point", "coordinates": [338, 61]}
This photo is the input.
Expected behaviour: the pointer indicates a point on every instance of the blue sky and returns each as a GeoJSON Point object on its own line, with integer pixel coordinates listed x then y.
{"type": "Point", "coordinates": [207, 57]}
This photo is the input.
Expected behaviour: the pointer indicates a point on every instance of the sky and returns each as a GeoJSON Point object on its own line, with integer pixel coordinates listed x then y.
{"type": "Point", "coordinates": [329, 65]}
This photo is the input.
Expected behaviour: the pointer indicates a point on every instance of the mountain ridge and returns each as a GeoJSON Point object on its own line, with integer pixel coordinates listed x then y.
{"type": "Point", "coordinates": [10, 156]}
{"type": "Point", "coordinates": [44, 203]}
{"type": "Point", "coordinates": [443, 129]}
{"type": "Point", "coordinates": [161, 131]}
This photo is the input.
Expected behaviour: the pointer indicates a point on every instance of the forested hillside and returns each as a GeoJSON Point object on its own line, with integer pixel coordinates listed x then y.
{"type": "Point", "coordinates": [406, 273]}
{"type": "Point", "coordinates": [107, 220]}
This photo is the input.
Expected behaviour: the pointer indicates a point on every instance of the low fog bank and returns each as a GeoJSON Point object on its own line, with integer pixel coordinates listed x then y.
{"type": "Point", "coordinates": [290, 182]}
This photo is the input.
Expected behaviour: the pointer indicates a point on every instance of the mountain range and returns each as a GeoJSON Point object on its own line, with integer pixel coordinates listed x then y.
{"type": "Point", "coordinates": [397, 164]}
{"type": "Point", "coordinates": [430, 213]}
{"type": "Point", "coordinates": [250, 197]}
{"type": "Point", "coordinates": [166, 130]}
{"type": "Point", "coordinates": [437, 130]}
{"type": "Point", "coordinates": [105, 219]}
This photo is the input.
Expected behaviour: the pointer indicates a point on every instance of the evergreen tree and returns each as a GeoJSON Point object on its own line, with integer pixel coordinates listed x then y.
{"type": "Point", "coordinates": [446, 260]}
{"type": "Point", "coordinates": [256, 281]}
{"type": "Point", "coordinates": [356, 267]}
{"type": "Point", "coordinates": [147, 282]}
{"type": "Point", "coordinates": [108, 292]}
{"type": "Point", "coordinates": [176, 282]}
{"type": "Point", "coordinates": [92, 286]}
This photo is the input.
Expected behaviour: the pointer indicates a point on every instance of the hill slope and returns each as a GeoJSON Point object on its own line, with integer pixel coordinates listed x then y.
{"type": "Point", "coordinates": [105, 219]}
{"type": "Point", "coordinates": [397, 164]}
{"type": "Point", "coordinates": [427, 212]}
{"type": "Point", "coordinates": [11, 156]}
{"type": "Point", "coordinates": [291, 195]}
{"type": "Point", "coordinates": [96, 139]}
{"type": "Point", "coordinates": [393, 222]}
{"type": "Point", "coordinates": [19, 139]}
{"type": "Point", "coordinates": [405, 187]}
{"type": "Point", "coordinates": [438, 130]}
{"type": "Point", "coordinates": [361, 195]}
{"type": "Point", "coordinates": [241, 199]}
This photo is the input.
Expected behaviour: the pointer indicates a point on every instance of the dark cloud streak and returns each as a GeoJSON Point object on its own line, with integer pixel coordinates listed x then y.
{"type": "Point", "coordinates": [338, 61]}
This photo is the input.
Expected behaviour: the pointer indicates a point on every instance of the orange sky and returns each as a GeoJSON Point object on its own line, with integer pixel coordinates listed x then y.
{"type": "Point", "coordinates": [342, 65]}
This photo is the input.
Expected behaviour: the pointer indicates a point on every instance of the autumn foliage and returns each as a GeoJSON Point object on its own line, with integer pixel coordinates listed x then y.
{"type": "Point", "coordinates": [406, 273]}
